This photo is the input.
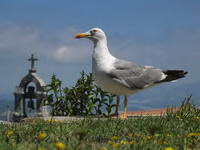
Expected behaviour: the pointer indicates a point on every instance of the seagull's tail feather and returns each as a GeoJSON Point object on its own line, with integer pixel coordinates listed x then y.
{"type": "Point", "coordinates": [172, 75]}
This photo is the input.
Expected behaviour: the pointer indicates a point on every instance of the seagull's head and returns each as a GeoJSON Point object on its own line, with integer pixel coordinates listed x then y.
{"type": "Point", "coordinates": [94, 34]}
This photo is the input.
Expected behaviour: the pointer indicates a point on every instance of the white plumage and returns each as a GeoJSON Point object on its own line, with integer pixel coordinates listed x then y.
{"type": "Point", "coordinates": [122, 77]}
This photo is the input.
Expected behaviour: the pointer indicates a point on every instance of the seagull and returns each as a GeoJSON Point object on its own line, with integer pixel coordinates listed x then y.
{"type": "Point", "coordinates": [121, 77]}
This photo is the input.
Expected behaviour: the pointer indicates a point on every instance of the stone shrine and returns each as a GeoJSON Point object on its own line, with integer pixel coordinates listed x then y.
{"type": "Point", "coordinates": [30, 94]}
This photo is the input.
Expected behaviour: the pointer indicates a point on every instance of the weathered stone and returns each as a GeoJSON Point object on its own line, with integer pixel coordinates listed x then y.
{"type": "Point", "coordinates": [29, 94]}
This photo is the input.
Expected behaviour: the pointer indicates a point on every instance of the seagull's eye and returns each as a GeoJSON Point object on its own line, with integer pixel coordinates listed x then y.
{"type": "Point", "coordinates": [93, 32]}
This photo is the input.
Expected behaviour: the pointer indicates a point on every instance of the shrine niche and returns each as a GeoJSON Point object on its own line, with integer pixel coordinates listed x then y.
{"type": "Point", "coordinates": [30, 93]}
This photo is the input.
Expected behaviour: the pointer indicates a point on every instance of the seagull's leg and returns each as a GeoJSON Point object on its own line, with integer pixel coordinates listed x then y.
{"type": "Point", "coordinates": [125, 106]}
{"type": "Point", "coordinates": [117, 106]}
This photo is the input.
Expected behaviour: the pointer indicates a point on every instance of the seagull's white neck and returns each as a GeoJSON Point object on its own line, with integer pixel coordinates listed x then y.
{"type": "Point", "coordinates": [101, 51]}
{"type": "Point", "coordinates": [102, 60]}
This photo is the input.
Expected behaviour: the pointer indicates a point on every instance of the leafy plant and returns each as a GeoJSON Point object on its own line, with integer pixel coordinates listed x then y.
{"type": "Point", "coordinates": [85, 98]}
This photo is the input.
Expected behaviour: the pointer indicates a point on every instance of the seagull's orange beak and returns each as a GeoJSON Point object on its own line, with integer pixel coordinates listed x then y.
{"type": "Point", "coordinates": [81, 35]}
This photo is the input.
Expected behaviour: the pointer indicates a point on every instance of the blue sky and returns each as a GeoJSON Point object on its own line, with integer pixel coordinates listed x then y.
{"type": "Point", "coordinates": [164, 34]}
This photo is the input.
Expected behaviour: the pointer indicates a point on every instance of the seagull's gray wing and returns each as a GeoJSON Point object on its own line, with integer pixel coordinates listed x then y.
{"type": "Point", "coordinates": [134, 76]}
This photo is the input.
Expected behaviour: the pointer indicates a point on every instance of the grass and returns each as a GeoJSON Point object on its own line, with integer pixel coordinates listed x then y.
{"type": "Point", "coordinates": [175, 131]}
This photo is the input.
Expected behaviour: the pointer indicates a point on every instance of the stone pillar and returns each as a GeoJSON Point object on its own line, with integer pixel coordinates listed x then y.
{"type": "Point", "coordinates": [38, 105]}
{"type": "Point", "coordinates": [24, 107]}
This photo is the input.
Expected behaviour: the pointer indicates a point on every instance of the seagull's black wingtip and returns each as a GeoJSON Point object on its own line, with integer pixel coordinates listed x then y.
{"type": "Point", "coordinates": [173, 75]}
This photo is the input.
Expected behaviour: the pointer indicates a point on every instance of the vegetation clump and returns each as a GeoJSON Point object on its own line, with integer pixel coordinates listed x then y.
{"type": "Point", "coordinates": [83, 99]}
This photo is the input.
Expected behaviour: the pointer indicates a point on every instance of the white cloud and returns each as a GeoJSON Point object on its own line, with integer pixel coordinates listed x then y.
{"type": "Point", "coordinates": [71, 54]}
{"type": "Point", "coordinates": [62, 53]}
{"type": "Point", "coordinates": [58, 46]}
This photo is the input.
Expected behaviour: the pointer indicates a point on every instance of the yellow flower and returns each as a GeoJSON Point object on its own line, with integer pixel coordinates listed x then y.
{"type": "Point", "coordinates": [55, 121]}
{"type": "Point", "coordinates": [114, 138]}
{"type": "Point", "coordinates": [193, 134]}
{"type": "Point", "coordinates": [59, 145]}
{"type": "Point", "coordinates": [123, 142]}
{"type": "Point", "coordinates": [197, 118]}
{"type": "Point", "coordinates": [41, 136]}
{"type": "Point", "coordinates": [9, 133]}
{"type": "Point", "coordinates": [169, 148]}
{"type": "Point", "coordinates": [103, 148]}
{"type": "Point", "coordinates": [50, 121]}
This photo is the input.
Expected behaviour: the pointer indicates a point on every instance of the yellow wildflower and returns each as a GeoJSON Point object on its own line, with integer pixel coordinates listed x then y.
{"type": "Point", "coordinates": [9, 133]}
{"type": "Point", "coordinates": [55, 121]}
{"type": "Point", "coordinates": [197, 118]}
{"type": "Point", "coordinates": [123, 142]}
{"type": "Point", "coordinates": [59, 145]}
{"type": "Point", "coordinates": [103, 148]}
{"type": "Point", "coordinates": [193, 134]}
{"type": "Point", "coordinates": [169, 148]}
{"type": "Point", "coordinates": [114, 138]}
{"type": "Point", "coordinates": [41, 136]}
{"type": "Point", "coordinates": [50, 121]}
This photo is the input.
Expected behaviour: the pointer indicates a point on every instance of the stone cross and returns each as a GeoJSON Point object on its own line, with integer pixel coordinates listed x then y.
{"type": "Point", "coordinates": [32, 59]}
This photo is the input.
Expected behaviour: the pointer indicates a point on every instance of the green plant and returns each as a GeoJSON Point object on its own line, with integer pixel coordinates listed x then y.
{"type": "Point", "coordinates": [186, 110]}
{"type": "Point", "coordinates": [85, 98]}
